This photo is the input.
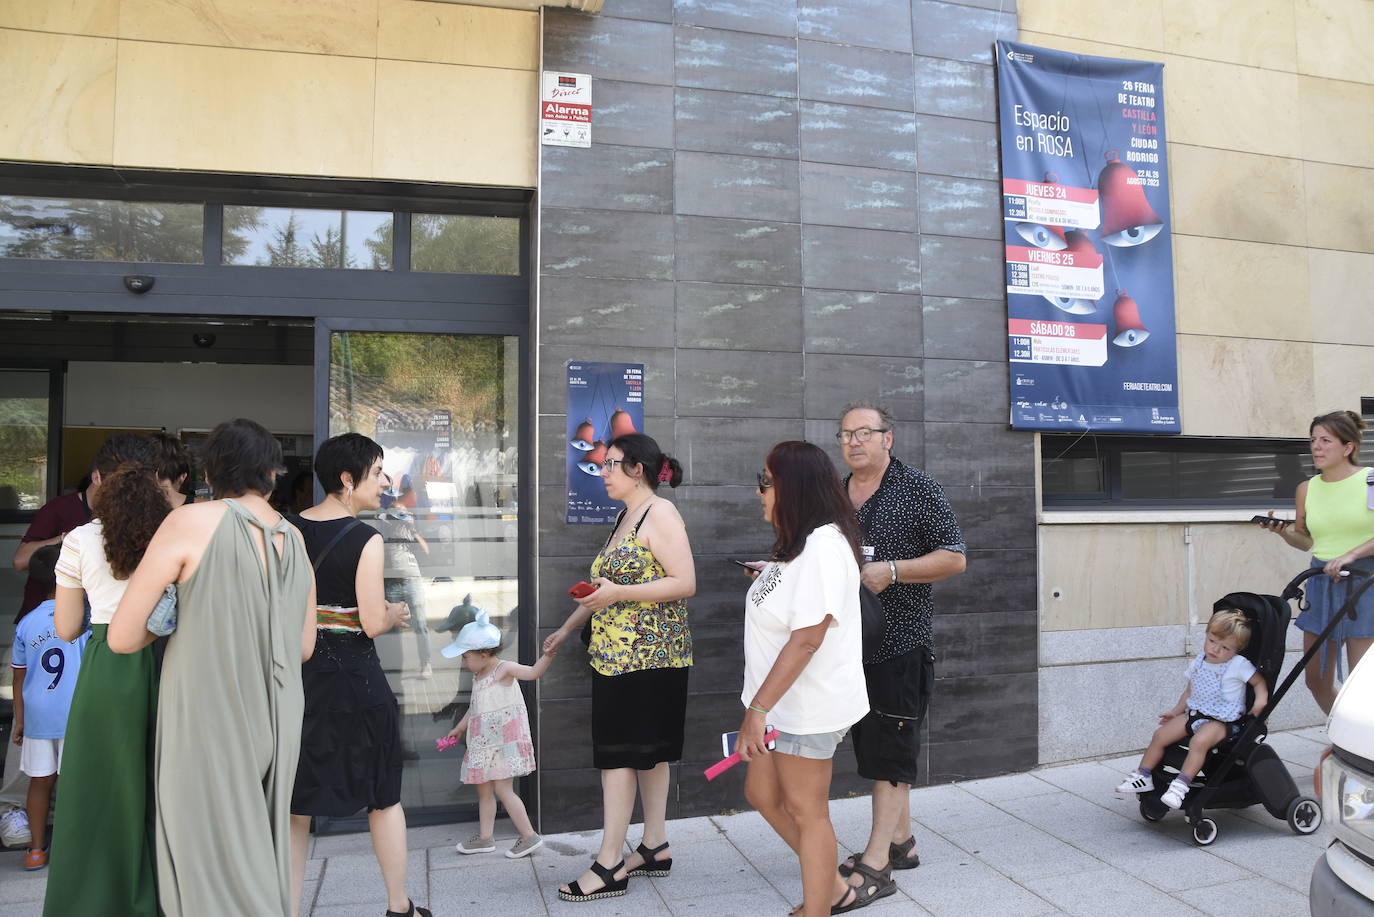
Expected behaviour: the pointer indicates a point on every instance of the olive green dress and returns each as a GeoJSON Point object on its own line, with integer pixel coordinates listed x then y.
{"type": "Point", "coordinates": [229, 726]}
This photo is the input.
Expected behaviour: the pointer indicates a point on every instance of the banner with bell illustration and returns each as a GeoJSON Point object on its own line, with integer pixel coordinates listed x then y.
{"type": "Point", "coordinates": [1089, 260]}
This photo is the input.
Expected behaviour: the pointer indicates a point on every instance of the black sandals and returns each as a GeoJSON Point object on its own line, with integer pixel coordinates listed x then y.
{"type": "Point", "coordinates": [415, 910]}
{"type": "Point", "coordinates": [652, 865]}
{"type": "Point", "coordinates": [610, 887]}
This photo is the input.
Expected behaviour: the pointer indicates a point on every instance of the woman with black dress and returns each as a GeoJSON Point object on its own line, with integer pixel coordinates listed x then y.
{"type": "Point", "coordinates": [351, 737]}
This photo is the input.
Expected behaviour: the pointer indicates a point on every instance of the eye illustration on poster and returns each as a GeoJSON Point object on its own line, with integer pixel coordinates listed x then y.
{"type": "Point", "coordinates": [1085, 195]}
{"type": "Point", "coordinates": [605, 400]}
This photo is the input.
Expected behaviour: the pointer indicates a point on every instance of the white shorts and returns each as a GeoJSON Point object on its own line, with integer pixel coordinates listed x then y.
{"type": "Point", "coordinates": [41, 757]}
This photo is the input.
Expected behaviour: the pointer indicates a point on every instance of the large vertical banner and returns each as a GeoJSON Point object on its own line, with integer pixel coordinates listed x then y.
{"type": "Point", "coordinates": [1089, 262]}
{"type": "Point", "coordinates": [605, 400]}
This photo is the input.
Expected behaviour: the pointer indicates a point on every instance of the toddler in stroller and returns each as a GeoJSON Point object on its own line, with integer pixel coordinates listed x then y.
{"type": "Point", "coordinates": [1226, 765]}
{"type": "Point", "coordinates": [1209, 709]}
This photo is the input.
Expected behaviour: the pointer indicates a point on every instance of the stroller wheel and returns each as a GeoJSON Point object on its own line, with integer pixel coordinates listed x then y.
{"type": "Point", "coordinates": [1204, 832]}
{"type": "Point", "coordinates": [1152, 809]}
{"type": "Point", "coordinates": [1304, 815]}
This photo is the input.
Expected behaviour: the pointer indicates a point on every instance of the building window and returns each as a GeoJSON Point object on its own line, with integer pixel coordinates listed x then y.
{"type": "Point", "coordinates": [61, 229]}
{"type": "Point", "coordinates": [456, 244]}
{"type": "Point", "coordinates": [303, 237]}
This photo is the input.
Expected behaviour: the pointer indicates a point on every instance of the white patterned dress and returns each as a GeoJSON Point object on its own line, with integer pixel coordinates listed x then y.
{"type": "Point", "coordinates": [498, 740]}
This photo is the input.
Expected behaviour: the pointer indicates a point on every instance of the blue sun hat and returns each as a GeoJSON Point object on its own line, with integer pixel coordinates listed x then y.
{"type": "Point", "coordinates": [479, 634]}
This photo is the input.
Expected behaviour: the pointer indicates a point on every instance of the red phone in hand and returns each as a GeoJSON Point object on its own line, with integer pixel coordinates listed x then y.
{"type": "Point", "coordinates": [581, 590]}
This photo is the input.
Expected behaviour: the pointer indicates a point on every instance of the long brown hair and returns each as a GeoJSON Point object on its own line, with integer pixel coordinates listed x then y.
{"type": "Point", "coordinates": [807, 494]}
{"type": "Point", "coordinates": [131, 505]}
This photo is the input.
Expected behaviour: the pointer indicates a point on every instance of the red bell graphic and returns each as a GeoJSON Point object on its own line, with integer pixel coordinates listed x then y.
{"type": "Point", "coordinates": [582, 439]}
{"type": "Point", "coordinates": [1043, 235]}
{"type": "Point", "coordinates": [591, 462]}
{"type": "Point", "coordinates": [621, 423]}
{"type": "Point", "coordinates": [1130, 331]}
{"type": "Point", "coordinates": [1127, 217]}
{"type": "Point", "coordinates": [1076, 240]}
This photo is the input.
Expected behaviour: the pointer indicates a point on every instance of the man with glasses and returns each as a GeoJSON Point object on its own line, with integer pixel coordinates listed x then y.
{"type": "Point", "coordinates": [910, 540]}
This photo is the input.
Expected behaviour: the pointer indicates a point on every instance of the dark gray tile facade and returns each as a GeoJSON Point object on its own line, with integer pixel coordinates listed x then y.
{"type": "Point", "coordinates": [789, 206]}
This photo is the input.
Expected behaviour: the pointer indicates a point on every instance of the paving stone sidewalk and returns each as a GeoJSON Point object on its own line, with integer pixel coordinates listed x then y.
{"type": "Point", "coordinates": [1056, 840]}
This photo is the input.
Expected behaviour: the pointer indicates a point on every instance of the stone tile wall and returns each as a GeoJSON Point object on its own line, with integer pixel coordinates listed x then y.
{"type": "Point", "coordinates": [787, 207]}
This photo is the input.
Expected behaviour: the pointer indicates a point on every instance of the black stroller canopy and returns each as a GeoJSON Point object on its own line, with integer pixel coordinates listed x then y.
{"type": "Point", "coordinates": [1268, 616]}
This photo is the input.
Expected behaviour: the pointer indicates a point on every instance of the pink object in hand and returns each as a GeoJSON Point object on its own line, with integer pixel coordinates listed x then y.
{"type": "Point", "coordinates": [446, 742]}
{"type": "Point", "coordinates": [724, 764]}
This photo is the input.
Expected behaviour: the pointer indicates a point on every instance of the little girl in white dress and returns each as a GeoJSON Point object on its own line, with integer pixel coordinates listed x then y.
{"type": "Point", "coordinates": [497, 730]}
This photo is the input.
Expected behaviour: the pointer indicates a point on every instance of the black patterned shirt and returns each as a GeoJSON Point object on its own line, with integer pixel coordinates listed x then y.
{"type": "Point", "coordinates": [908, 516]}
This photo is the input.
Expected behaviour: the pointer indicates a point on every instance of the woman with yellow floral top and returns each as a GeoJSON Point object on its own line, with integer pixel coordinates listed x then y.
{"type": "Point", "coordinates": [640, 650]}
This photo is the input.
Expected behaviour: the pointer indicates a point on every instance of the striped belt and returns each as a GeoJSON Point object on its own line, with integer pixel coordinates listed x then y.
{"type": "Point", "coordinates": [333, 617]}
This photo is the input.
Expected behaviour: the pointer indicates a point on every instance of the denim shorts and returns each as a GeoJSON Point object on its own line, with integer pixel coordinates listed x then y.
{"type": "Point", "coordinates": [818, 746]}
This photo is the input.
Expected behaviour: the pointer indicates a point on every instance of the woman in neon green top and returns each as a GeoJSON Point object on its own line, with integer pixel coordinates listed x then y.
{"type": "Point", "coordinates": [640, 652]}
{"type": "Point", "coordinates": [1335, 523]}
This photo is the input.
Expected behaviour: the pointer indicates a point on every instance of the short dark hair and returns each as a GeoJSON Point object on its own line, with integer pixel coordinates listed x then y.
{"type": "Point", "coordinates": [638, 449]}
{"type": "Point", "coordinates": [347, 452]}
{"type": "Point", "coordinates": [173, 459]}
{"type": "Point", "coordinates": [807, 494]}
{"type": "Point", "coordinates": [43, 567]}
{"type": "Point", "coordinates": [125, 449]}
{"type": "Point", "coordinates": [241, 456]}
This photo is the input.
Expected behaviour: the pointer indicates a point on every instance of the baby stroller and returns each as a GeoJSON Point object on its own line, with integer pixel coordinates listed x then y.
{"type": "Point", "coordinates": [1242, 771]}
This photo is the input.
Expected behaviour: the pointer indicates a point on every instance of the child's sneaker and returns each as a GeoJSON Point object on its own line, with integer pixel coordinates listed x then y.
{"type": "Point", "coordinates": [1173, 796]}
{"type": "Point", "coordinates": [1135, 782]}
{"type": "Point", "coordinates": [14, 828]}
{"type": "Point", "coordinates": [476, 844]}
{"type": "Point", "coordinates": [35, 859]}
{"type": "Point", "coordinates": [525, 846]}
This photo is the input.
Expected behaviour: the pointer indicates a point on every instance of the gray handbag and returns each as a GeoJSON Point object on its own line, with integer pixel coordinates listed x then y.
{"type": "Point", "coordinates": [163, 620]}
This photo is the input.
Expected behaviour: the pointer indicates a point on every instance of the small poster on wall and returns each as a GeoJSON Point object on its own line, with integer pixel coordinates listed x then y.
{"type": "Point", "coordinates": [605, 400]}
{"type": "Point", "coordinates": [565, 109]}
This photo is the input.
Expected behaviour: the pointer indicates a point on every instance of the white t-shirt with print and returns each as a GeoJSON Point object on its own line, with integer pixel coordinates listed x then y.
{"type": "Point", "coordinates": [82, 565]}
{"type": "Point", "coordinates": [829, 694]}
{"type": "Point", "coordinates": [1219, 687]}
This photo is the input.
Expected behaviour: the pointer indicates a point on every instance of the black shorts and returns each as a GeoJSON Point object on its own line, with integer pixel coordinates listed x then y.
{"type": "Point", "coordinates": [887, 741]}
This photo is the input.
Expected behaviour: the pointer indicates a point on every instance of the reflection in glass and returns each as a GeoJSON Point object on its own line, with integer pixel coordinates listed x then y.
{"type": "Point", "coordinates": [445, 409]}
{"type": "Point", "coordinates": [299, 237]}
{"type": "Point", "coordinates": [23, 439]}
{"type": "Point", "coordinates": [60, 229]}
{"type": "Point", "coordinates": [455, 244]}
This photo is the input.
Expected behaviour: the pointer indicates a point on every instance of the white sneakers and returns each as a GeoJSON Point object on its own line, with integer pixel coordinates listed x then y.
{"type": "Point", "coordinates": [14, 828]}
{"type": "Point", "coordinates": [1135, 782]}
{"type": "Point", "coordinates": [1173, 796]}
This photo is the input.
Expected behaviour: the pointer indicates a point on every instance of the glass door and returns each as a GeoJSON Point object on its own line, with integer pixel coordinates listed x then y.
{"type": "Point", "coordinates": [446, 408]}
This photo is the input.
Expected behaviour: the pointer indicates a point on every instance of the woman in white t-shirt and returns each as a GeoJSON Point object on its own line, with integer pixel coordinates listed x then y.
{"type": "Point", "coordinates": [803, 665]}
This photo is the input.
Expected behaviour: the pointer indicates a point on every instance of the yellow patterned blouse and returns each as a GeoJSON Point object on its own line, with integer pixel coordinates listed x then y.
{"type": "Point", "coordinates": [634, 636]}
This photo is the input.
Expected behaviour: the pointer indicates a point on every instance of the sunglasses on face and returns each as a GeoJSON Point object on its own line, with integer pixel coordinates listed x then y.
{"type": "Point", "coordinates": [765, 482]}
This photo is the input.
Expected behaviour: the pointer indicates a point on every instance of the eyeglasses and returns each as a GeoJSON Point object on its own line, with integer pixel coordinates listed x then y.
{"type": "Point", "coordinates": [607, 465]}
{"type": "Point", "coordinates": [765, 482]}
{"type": "Point", "coordinates": [860, 435]}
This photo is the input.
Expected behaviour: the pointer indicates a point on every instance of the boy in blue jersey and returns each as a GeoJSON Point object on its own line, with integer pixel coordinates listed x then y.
{"type": "Point", "coordinates": [45, 671]}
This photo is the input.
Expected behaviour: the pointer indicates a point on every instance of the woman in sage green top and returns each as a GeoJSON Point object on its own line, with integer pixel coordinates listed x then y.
{"type": "Point", "coordinates": [229, 724]}
{"type": "Point", "coordinates": [1334, 522]}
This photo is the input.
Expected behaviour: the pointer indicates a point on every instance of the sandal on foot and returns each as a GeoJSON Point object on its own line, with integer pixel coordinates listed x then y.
{"type": "Point", "coordinates": [414, 910]}
{"type": "Point", "coordinates": [855, 900]}
{"type": "Point", "coordinates": [652, 865]}
{"type": "Point", "coordinates": [610, 887]}
{"type": "Point", "coordinates": [877, 884]}
{"type": "Point", "coordinates": [903, 855]}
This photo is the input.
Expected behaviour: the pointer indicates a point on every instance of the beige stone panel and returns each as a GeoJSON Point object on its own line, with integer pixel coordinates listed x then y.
{"type": "Point", "coordinates": [473, 125]}
{"type": "Point", "coordinates": [1338, 207]}
{"type": "Point", "coordinates": [1241, 289]}
{"type": "Point", "coordinates": [1096, 20]}
{"type": "Point", "coordinates": [1342, 375]}
{"type": "Point", "coordinates": [1118, 575]}
{"type": "Point", "coordinates": [315, 27]}
{"type": "Point", "coordinates": [73, 17]}
{"type": "Point", "coordinates": [1239, 557]}
{"type": "Point", "coordinates": [1337, 121]}
{"type": "Point", "coordinates": [1081, 46]}
{"type": "Point", "coordinates": [449, 33]}
{"type": "Point", "coordinates": [59, 97]}
{"type": "Point", "coordinates": [1234, 195]}
{"type": "Point", "coordinates": [244, 111]}
{"type": "Point", "coordinates": [1244, 387]}
{"type": "Point", "coordinates": [1231, 107]}
{"type": "Point", "coordinates": [1333, 38]}
{"type": "Point", "coordinates": [1258, 33]}
{"type": "Point", "coordinates": [1339, 292]}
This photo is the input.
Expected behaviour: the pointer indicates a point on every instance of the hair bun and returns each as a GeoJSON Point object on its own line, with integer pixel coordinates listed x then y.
{"type": "Point", "coordinates": [1356, 419]}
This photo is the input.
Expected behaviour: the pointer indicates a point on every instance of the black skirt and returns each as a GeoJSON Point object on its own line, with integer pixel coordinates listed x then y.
{"type": "Point", "coordinates": [351, 734]}
{"type": "Point", "coordinates": [638, 718]}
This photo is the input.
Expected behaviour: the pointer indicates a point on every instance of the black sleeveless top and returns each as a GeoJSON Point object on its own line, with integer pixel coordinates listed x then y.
{"type": "Point", "coordinates": [336, 579]}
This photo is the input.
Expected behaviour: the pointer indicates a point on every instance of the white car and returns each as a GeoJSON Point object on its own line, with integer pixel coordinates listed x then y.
{"type": "Point", "coordinates": [1343, 880]}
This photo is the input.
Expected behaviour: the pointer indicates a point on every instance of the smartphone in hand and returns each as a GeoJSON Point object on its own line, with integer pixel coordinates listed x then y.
{"type": "Point", "coordinates": [728, 739]}
{"type": "Point", "coordinates": [1266, 520]}
{"type": "Point", "coordinates": [581, 590]}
